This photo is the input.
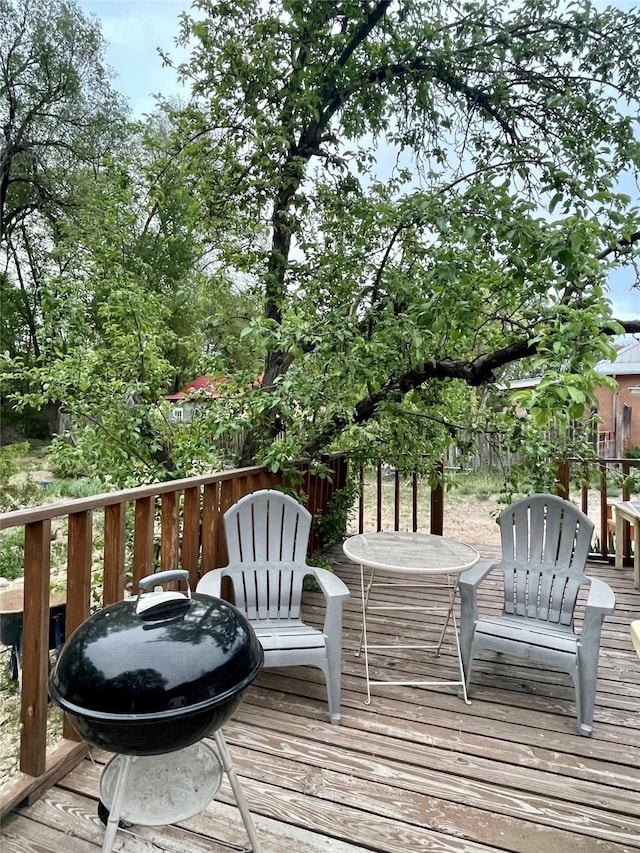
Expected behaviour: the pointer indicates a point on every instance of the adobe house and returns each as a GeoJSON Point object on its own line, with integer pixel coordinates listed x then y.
{"type": "Point", "coordinates": [619, 411]}
{"type": "Point", "coordinates": [619, 429]}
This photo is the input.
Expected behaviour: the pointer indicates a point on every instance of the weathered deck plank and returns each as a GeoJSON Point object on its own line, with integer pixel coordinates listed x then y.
{"type": "Point", "coordinates": [417, 769]}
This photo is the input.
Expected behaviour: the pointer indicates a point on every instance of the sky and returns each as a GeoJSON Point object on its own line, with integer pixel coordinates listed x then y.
{"type": "Point", "coordinates": [133, 31]}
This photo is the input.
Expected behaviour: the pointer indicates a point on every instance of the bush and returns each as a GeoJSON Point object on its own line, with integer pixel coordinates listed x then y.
{"type": "Point", "coordinates": [12, 554]}
{"type": "Point", "coordinates": [15, 495]}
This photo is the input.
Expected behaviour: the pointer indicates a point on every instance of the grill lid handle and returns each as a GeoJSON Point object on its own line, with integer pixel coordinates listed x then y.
{"type": "Point", "coordinates": [163, 598]}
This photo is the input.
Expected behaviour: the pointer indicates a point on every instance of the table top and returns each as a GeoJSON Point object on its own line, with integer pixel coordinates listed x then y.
{"type": "Point", "coordinates": [419, 553]}
{"type": "Point", "coordinates": [635, 636]}
{"type": "Point", "coordinates": [627, 508]}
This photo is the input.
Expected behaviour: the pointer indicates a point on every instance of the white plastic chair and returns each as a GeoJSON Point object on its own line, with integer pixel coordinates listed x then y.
{"type": "Point", "coordinates": [267, 537]}
{"type": "Point", "coordinates": [545, 543]}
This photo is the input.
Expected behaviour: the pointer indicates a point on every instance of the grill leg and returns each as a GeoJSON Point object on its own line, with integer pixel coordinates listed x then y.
{"type": "Point", "coordinates": [116, 806]}
{"type": "Point", "coordinates": [230, 770]}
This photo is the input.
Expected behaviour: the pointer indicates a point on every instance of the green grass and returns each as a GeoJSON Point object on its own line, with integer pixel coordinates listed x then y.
{"type": "Point", "coordinates": [82, 488]}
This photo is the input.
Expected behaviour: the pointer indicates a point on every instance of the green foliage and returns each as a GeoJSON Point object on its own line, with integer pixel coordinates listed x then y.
{"type": "Point", "coordinates": [397, 279]}
{"type": "Point", "coordinates": [17, 488]}
{"type": "Point", "coordinates": [378, 207]}
{"type": "Point", "coordinates": [81, 488]}
{"type": "Point", "coordinates": [12, 554]}
{"type": "Point", "coordinates": [331, 526]}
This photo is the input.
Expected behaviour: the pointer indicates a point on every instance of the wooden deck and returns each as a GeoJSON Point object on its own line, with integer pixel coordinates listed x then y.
{"type": "Point", "coordinates": [416, 770]}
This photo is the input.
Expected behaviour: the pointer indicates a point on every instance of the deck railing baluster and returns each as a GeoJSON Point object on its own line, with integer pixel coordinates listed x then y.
{"type": "Point", "coordinates": [143, 538]}
{"type": "Point", "coordinates": [113, 581]}
{"type": "Point", "coordinates": [35, 647]}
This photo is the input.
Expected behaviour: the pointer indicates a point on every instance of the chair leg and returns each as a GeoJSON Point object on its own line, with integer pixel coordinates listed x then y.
{"type": "Point", "coordinates": [586, 681]}
{"type": "Point", "coordinates": [467, 632]}
{"type": "Point", "coordinates": [333, 676]}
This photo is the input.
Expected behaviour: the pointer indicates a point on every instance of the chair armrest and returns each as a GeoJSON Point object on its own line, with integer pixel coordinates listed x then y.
{"type": "Point", "coordinates": [335, 592]}
{"type": "Point", "coordinates": [601, 597]}
{"type": "Point", "coordinates": [476, 574]}
{"type": "Point", "coordinates": [210, 583]}
{"type": "Point", "coordinates": [468, 584]}
{"type": "Point", "coordinates": [331, 585]}
{"type": "Point", "coordinates": [600, 602]}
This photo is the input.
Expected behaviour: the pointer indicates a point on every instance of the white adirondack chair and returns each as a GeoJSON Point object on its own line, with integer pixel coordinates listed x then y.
{"type": "Point", "coordinates": [267, 537]}
{"type": "Point", "coordinates": [545, 543]}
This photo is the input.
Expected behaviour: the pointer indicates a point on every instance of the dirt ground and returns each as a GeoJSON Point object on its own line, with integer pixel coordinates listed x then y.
{"type": "Point", "coordinates": [469, 518]}
{"type": "Point", "coordinates": [475, 521]}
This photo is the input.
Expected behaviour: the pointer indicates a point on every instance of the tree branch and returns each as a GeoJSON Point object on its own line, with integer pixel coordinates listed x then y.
{"type": "Point", "coordinates": [475, 373]}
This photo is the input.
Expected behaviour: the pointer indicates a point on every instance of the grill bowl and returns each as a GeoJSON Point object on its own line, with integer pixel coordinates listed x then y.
{"type": "Point", "coordinates": [157, 672]}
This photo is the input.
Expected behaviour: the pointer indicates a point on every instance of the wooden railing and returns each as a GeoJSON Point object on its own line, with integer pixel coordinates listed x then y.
{"type": "Point", "coordinates": [404, 510]}
{"type": "Point", "coordinates": [179, 523]}
{"type": "Point", "coordinates": [610, 478]}
{"type": "Point", "coordinates": [160, 526]}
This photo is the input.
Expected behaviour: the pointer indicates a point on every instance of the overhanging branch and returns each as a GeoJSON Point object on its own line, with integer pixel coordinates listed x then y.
{"type": "Point", "coordinates": [475, 373]}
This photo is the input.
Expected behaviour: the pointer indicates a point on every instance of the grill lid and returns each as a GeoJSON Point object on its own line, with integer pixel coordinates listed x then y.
{"type": "Point", "coordinates": [161, 653]}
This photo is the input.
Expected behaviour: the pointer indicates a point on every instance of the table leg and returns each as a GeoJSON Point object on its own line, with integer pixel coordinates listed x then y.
{"type": "Point", "coordinates": [363, 634]}
{"type": "Point", "coordinates": [450, 617]}
{"type": "Point", "coordinates": [619, 540]}
{"type": "Point", "coordinates": [463, 681]}
{"type": "Point", "coordinates": [450, 613]}
{"type": "Point", "coordinates": [364, 606]}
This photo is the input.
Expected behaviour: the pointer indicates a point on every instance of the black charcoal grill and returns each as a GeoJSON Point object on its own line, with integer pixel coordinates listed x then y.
{"type": "Point", "coordinates": [155, 674]}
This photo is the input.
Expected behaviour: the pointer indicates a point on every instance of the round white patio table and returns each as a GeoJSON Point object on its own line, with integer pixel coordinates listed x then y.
{"type": "Point", "coordinates": [416, 556]}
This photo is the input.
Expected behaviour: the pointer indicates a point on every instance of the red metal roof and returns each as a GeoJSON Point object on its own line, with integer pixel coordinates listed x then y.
{"type": "Point", "coordinates": [203, 386]}
{"type": "Point", "coordinates": [206, 387]}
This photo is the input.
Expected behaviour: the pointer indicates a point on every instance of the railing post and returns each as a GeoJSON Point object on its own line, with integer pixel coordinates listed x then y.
{"type": "Point", "coordinates": [114, 553]}
{"type": "Point", "coordinates": [143, 535]}
{"type": "Point", "coordinates": [35, 647]}
{"type": "Point", "coordinates": [211, 523]}
{"type": "Point", "coordinates": [396, 501]}
{"type": "Point", "coordinates": [169, 532]}
{"type": "Point", "coordinates": [626, 528]}
{"type": "Point", "coordinates": [190, 551]}
{"type": "Point", "coordinates": [562, 479]}
{"type": "Point", "coordinates": [604, 511]}
{"type": "Point", "coordinates": [78, 604]}
{"type": "Point", "coordinates": [437, 502]}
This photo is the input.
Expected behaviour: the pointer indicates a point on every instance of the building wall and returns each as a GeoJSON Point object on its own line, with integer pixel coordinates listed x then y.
{"type": "Point", "coordinates": [620, 412]}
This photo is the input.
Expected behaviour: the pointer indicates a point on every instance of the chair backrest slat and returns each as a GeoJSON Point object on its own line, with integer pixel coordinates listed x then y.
{"type": "Point", "coordinates": [263, 529]}
{"type": "Point", "coordinates": [545, 544]}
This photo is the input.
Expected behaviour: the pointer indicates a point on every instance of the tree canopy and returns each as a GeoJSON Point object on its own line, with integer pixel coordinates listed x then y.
{"type": "Point", "coordinates": [415, 195]}
{"type": "Point", "coordinates": [437, 187]}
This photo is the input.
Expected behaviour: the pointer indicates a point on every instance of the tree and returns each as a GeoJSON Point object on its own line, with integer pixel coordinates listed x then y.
{"type": "Point", "coordinates": [103, 300]}
{"type": "Point", "coordinates": [60, 118]}
{"type": "Point", "coordinates": [424, 192]}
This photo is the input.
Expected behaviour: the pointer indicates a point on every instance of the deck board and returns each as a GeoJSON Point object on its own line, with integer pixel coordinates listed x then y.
{"type": "Point", "coordinates": [417, 769]}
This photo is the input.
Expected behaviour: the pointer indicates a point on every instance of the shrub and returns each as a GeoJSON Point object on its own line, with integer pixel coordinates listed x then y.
{"type": "Point", "coordinates": [15, 493]}
{"type": "Point", "coordinates": [12, 554]}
